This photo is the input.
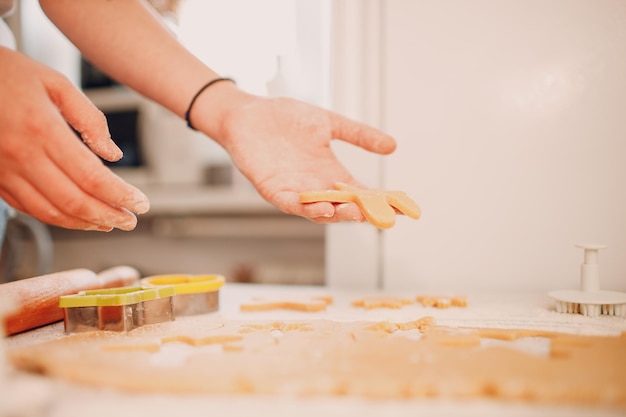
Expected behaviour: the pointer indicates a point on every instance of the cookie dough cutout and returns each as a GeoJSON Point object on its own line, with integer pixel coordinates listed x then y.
{"type": "Point", "coordinates": [451, 336]}
{"type": "Point", "coordinates": [378, 206]}
{"type": "Point", "coordinates": [512, 334]}
{"type": "Point", "coordinates": [389, 327]}
{"type": "Point", "coordinates": [442, 301]}
{"type": "Point", "coordinates": [389, 301]}
{"type": "Point", "coordinates": [203, 341]}
{"type": "Point", "coordinates": [307, 304]}
{"type": "Point", "coordinates": [132, 348]}
{"type": "Point", "coordinates": [276, 326]}
{"type": "Point", "coordinates": [224, 340]}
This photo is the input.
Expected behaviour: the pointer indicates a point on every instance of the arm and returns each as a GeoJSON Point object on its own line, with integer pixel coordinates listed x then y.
{"type": "Point", "coordinates": [282, 146]}
{"type": "Point", "coordinates": [127, 40]}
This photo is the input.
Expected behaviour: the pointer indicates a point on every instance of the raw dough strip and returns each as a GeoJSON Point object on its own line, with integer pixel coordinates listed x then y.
{"type": "Point", "coordinates": [202, 341]}
{"type": "Point", "coordinates": [378, 206]}
{"type": "Point", "coordinates": [130, 348]}
{"type": "Point", "coordinates": [388, 327]}
{"type": "Point", "coordinates": [277, 325]}
{"type": "Point", "coordinates": [442, 301]}
{"type": "Point", "coordinates": [369, 303]}
{"type": "Point", "coordinates": [191, 341]}
{"type": "Point", "coordinates": [311, 304]}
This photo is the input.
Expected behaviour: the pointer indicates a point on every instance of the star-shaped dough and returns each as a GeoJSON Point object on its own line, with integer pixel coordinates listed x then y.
{"type": "Point", "coordinates": [378, 206]}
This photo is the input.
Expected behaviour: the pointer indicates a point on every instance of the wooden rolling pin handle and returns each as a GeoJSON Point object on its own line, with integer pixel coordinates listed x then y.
{"type": "Point", "coordinates": [36, 300]}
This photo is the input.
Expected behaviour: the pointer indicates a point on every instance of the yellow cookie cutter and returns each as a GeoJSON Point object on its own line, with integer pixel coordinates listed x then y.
{"type": "Point", "coordinates": [114, 296]}
{"type": "Point", "coordinates": [194, 294]}
{"type": "Point", "coordinates": [117, 309]}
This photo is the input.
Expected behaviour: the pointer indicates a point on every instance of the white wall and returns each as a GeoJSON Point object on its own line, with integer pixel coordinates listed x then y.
{"type": "Point", "coordinates": [510, 118]}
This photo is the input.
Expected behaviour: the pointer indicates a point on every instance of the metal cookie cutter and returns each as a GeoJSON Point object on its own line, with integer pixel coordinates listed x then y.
{"type": "Point", "coordinates": [117, 309]}
{"type": "Point", "coordinates": [195, 294]}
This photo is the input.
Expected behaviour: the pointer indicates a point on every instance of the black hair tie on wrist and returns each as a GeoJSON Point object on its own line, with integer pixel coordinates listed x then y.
{"type": "Point", "coordinates": [193, 100]}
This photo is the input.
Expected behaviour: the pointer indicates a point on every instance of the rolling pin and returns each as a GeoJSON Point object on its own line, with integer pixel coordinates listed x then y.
{"type": "Point", "coordinates": [36, 300]}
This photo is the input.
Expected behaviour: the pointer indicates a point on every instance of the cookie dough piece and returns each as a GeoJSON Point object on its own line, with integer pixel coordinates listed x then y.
{"type": "Point", "coordinates": [369, 303]}
{"type": "Point", "coordinates": [132, 347]}
{"type": "Point", "coordinates": [311, 304]}
{"type": "Point", "coordinates": [389, 327]}
{"type": "Point", "coordinates": [378, 206]}
{"type": "Point", "coordinates": [202, 341]}
{"type": "Point", "coordinates": [277, 325]}
{"type": "Point", "coordinates": [512, 334]}
{"type": "Point", "coordinates": [442, 301]}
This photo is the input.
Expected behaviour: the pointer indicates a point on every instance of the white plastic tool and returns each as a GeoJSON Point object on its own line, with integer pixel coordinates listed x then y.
{"type": "Point", "coordinates": [590, 300]}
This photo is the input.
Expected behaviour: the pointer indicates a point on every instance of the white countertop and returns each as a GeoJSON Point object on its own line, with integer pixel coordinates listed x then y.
{"type": "Point", "coordinates": [46, 397]}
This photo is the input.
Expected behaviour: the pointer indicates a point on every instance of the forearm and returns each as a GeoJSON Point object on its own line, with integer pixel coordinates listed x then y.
{"type": "Point", "coordinates": [126, 39]}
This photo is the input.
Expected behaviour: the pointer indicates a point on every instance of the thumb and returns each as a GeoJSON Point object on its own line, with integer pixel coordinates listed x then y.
{"type": "Point", "coordinates": [361, 135]}
{"type": "Point", "coordinates": [83, 116]}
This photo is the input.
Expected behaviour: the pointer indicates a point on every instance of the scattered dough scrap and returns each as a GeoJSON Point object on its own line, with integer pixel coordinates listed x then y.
{"type": "Point", "coordinates": [311, 304]}
{"type": "Point", "coordinates": [369, 303]}
{"type": "Point", "coordinates": [202, 341]}
{"type": "Point", "coordinates": [442, 301]}
{"type": "Point", "coordinates": [378, 206]}
{"type": "Point", "coordinates": [399, 302]}
{"type": "Point", "coordinates": [277, 325]}
{"type": "Point", "coordinates": [188, 340]}
{"type": "Point", "coordinates": [131, 347]}
{"type": "Point", "coordinates": [388, 327]}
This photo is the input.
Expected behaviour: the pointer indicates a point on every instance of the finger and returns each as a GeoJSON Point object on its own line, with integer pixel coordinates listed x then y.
{"type": "Point", "coordinates": [318, 210]}
{"type": "Point", "coordinates": [348, 212]}
{"type": "Point", "coordinates": [331, 213]}
{"type": "Point", "coordinates": [28, 200]}
{"type": "Point", "coordinates": [361, 135]}
{"type": "Point", "coordinates": [89, 173]}
{"type": "Point", "coordinates": [71, 200]}
{"type": "Point", "coordinates": [84, 117]}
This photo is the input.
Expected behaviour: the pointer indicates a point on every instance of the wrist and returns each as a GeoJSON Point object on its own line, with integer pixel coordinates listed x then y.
{"type": "Point", "coordinates": [213, 107]}
{"type": "Point", "coordinates": [200, 91]}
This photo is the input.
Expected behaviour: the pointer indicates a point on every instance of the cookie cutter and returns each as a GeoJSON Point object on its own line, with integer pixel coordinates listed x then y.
{"type": "Point", "coordinates": [117, 309]}
{"type": "Point", "coordinates": [194, 294]}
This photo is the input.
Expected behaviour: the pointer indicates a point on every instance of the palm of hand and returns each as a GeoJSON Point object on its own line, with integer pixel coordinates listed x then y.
{"type": "Point", "coordinates": [283, 147]}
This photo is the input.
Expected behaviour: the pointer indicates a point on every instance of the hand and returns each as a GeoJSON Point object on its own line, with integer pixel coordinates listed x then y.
{"type": "Point", "coordinates": [45, 171]}
{"type": "Point", "coordinates": [283, 147]}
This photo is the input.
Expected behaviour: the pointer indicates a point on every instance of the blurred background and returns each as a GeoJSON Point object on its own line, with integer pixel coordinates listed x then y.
{"type": "Point", "coordinates": [511, 136]}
